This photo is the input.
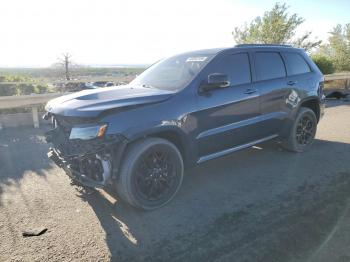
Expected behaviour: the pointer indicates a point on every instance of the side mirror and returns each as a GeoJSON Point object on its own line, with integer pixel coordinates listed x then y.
{"type": "Point", "coordinates": [215, 81]}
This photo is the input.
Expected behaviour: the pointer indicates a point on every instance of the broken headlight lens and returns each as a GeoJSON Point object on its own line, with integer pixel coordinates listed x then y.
{"type": "Point", "coordinates": [88, 132]}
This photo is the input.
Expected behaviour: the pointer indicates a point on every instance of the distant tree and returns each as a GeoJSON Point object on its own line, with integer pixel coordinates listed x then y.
{"type": "Point", "coordinates": [66, 62]}
{"type": "Point", "coordinates": [324, 63]}
{"type": "Point", "coordinates": [276, 26]}
{"type": "Point", "coordinates": [338, 47]}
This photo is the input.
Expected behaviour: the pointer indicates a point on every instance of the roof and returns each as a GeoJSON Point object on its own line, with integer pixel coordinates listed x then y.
{"type": "Point", "coordinates": [262, 45]}
{"type": "Point", "coordinates": [214, 51]}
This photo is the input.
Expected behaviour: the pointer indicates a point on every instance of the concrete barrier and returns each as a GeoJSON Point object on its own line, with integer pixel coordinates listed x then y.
{"type": "Point", "coordinates": [339, 76]}
{"type": "Point", "coordinates": [7, 102]}
{"type": "Point", "coordinates": [21, 119]}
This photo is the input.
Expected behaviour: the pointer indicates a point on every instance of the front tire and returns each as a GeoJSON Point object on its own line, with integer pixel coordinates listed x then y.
{"type": "Point", "coordinates": [303, 131]}
{"type": "Point", "coordinates": [151, 173]}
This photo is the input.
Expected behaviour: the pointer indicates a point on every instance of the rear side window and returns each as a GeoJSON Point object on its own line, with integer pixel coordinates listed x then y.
{"type": "Point", "coordinates": [269, 65]}
{"type": "Point", "coordinates": [296, 64]}
{"type": "Point", "coordinates": [237, 67]}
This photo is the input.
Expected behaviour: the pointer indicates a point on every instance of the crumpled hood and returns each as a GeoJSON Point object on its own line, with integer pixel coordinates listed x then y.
{"type": "Point", "coordinates": [90, 103]}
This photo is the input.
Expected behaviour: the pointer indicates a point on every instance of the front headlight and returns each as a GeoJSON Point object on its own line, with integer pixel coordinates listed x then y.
{"type": "Point", "coordinates": [88, 132]}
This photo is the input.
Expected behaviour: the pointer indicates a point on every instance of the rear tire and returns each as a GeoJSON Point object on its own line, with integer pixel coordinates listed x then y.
{"type": "Point", "coordinates": [151, 173]}
{"type": "Point", "coordinates": [303, 131]}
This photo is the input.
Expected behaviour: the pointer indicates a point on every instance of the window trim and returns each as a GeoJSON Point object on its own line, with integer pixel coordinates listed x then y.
{"type": "Point", "coordinates": [223, 55]}
{"type": "Point", "coordinates": [257, 80]}
{"type": "Point", "coordinates": [250, 69]}
{"type": "Point", "coordinates": [302, 57]}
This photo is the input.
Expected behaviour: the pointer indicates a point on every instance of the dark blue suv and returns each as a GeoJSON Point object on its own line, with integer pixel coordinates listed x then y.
{"type": "Point", "coordinates": [182, 111]}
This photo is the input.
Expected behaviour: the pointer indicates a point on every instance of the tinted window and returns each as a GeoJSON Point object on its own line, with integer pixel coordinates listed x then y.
{"type": "Point", "coordinates": [269, 65]}
{"type": "Point", "coordinates": [236, 67]}
{"type": "Point", "coordinates": [296, 64]}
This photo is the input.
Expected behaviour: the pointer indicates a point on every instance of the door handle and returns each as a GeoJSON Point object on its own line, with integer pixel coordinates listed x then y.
{"type": "Point", "coordinates": [292, 83]}
{"type": "Point", "coordinates": [250, 91]}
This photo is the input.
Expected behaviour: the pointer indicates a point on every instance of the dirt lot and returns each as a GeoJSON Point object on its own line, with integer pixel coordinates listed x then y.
{"type": "Point", "coordinates": [261, 204]}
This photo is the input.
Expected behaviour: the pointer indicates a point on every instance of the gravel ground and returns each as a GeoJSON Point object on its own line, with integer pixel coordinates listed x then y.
{"type": "Point", "coordinates": [260, 204]}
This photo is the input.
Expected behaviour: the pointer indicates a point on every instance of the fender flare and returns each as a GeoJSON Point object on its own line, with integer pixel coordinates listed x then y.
{"type": "Point", "coordinates": [293, 114]}
{"type": "Point", "coordinates": [306, 99]}
{"type": "Point", "coordinates": [186, 147]}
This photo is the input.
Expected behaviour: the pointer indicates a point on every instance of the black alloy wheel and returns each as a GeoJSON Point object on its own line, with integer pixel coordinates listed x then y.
{"type": "Point", "coordinates": [151, 173]}
{"type": "Point", "coordinates": [156, 176]}
{"type": "Point", "coordinates": [302, 131]}
{"type": "Point", "coordinates": [305, 130]}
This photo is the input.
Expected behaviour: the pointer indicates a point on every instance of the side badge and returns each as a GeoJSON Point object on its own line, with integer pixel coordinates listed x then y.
{"type": "Point", "coordinates": [293, 99]}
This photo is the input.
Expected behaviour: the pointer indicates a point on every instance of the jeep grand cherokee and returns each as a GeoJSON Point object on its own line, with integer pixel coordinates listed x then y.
{"type": "Point", "coordinates": [182, 111]}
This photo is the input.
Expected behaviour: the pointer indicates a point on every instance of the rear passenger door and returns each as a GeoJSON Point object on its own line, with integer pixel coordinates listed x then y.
{"type": "Point", "coordinates": [299, 75]}
{"type": "Point", "coordinates": [271, 81]}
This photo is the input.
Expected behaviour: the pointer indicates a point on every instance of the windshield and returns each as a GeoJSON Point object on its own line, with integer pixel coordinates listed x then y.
{"type": "Point", "coordinates": [172, 73]}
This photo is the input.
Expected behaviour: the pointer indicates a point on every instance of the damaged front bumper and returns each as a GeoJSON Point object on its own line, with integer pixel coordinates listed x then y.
{"type": "Point", "coordinates": [92, 163]}
{"type": "Point", "coordinates": [84, 179]}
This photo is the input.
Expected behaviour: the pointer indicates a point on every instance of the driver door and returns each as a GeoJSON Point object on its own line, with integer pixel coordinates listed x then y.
{"type": "Point", "coordinates": [227, 117]}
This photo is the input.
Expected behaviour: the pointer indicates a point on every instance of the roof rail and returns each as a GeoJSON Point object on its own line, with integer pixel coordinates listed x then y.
{"type": "Point", "coordinates": [255, 45]}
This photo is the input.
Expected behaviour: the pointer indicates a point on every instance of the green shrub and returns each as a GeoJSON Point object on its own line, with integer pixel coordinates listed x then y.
{"type": "Point", "coordinates": [25, 89]}
{"type": "Point", "coordinates": [22, 89]}
{"type": "Point", "coordinates": [7, 89]}
{"type": "Point", "coordinates": [324, 63]}
{"type": "Point", "coordinates": [14, 78]}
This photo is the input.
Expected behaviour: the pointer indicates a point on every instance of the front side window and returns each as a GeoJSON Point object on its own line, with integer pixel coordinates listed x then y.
{"type": "Point", "coordinates": [269, 65]}
{"type": "Point", "coordinates": [172, 73]}
{"type": "Point", "coordinates": [295, 64]}
{"type": "Point", "coordinates": [236, 67]}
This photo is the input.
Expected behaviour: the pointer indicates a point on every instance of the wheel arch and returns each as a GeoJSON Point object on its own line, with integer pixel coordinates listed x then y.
{"type": "Point", "coordinates": [312, 103]}
{"type": "Point", "coordinates": [170, 133]}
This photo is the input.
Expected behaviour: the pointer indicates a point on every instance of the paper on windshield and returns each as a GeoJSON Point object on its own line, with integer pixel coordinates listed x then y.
{"type": "Point", "coordinates": [196, 59]}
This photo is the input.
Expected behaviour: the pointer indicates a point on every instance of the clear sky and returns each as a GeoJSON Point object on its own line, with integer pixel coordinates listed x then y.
{"type": "Point", "coordinates": [36, 32]}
